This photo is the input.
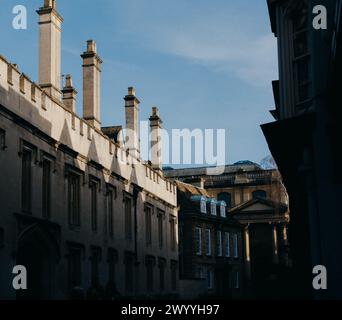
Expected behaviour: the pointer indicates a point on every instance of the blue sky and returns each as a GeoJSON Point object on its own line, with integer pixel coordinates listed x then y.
{"type": "Point", "coordinates": [204, 63]}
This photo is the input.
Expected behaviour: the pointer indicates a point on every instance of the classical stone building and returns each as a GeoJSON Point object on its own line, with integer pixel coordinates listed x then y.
{"type": "Point", "coordinates": [258, 200]}
{"type": "Point", "coordinates": [305, 137]}
{"type": "Point", "coordinates": [79, 208]}
{"type": "Point", "coordinates": [210, 244]}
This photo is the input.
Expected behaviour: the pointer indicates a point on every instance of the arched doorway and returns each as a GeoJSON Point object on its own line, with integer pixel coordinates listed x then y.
{"type": "Point", "coordinates": [38, 251]}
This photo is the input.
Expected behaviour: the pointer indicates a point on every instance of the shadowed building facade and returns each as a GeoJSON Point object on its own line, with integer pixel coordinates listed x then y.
{"type": "Point", "coordinates": [305, 137]}
{"type": "Point", "coordinates": [257, 199]}
{"type": "Point", "coordinates": [79, 208]}
{"type": "Point", "coordinates": [210, 244]}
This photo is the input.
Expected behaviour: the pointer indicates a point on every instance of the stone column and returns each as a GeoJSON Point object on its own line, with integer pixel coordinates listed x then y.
{"type": "Point", "coordinates": [275, 245]}
{"type": "Point", "coordinates": [247, 253]}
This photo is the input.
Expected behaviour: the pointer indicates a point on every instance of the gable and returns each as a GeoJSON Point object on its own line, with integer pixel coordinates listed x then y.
{"type": "Point", "coordinates": [257, 207]}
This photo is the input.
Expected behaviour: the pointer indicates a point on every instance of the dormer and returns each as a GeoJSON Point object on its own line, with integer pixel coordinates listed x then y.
{"type": "Point", "coordinates": [202, 203]}
{"type": "Point", "coordinates": [212, 206]}
{"type": "Point", "coordinates": [222, 207]}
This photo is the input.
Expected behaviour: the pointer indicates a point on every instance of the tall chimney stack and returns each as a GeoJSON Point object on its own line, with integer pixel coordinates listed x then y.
{"type": "Point", "coordinates": [69, 94]}
{"type": "Point", "coordinates": [91, 85]}
{"type": "Point", "coordinates": [132, 123]}
{"type": "Point", "coordinates": [50, 23]}
{"type": "Point", "coordinates": [156, 139]}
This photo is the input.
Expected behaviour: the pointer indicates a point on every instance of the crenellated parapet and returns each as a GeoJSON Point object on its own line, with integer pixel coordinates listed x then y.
{"type": "Point", "coordinates": [25, 98]}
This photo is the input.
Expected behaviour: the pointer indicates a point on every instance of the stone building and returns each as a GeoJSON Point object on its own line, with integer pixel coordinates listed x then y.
{"type": "Point", "coordinates": [258, 200]}
{"type": "Point", "coordinates": [210, 244]}
{"type": "Point", "coordinates": [79, 208]}
{"type": "Point", "coordinates": [305, 137]}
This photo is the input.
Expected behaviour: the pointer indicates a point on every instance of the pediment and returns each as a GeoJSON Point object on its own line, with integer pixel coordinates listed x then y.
{"type": "Point", "coordinates": [258, 207]}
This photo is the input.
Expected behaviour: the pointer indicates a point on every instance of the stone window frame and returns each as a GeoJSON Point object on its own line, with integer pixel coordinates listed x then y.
{"type": "Point", "coordinates": [94, 184]}
{"type": "Point", "coordinates": [24, 148]}
{"type": "Point", "coordinates": [81, 250]}
{"type": "Point", "coordinates": [173, 232]}
{"type": "Point", "coordinates": [198, 241]}
{"type": "Point", "coordinates": [112, 261]}
{"type": "Point", "coordinates": [44, 157]}
{"type": "Point", "coordinates": [3, 145]}
{"type": "Point", "coordinates": [111, 190]}
{"type": "Point", "coordinates": [228, 251]}
{"type": "Point", "coordinates": [219, 243]}
{"type": "Point", "coordinates": [150, 263]}
{"type": "Point", "coordinates": [149, 231]}
{"type": "Point", "coordinates": [71, 171]}
{"type": "Point", "coordinates": [128, 223]}
{"type": "Point", "coordinates": [208, 242]}
{"type": "Point", "coordinates": [161, 228]}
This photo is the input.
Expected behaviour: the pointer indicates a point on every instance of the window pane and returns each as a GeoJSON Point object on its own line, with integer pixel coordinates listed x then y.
{"type": "Point", "coordinates": [148, 223]}
{"type": "Point", "coordinates": [128, 218]}
{"type": "Point", "coordinates": [227, 240]}
{"type": "Point", "coordinates": [198, 244]}
{"type": "Point", "coordinates": [74, 199]}
{"type": "Point", "coordinates": [110, 212]}
{"type": "Point", "coordinates": [160, 230]}
{"type": "Point", "coordinates": [208, 242]}
{"type": "Point", "coordinates": [26, 180]}
{"type": "Point", "coordinates": [93, 191]}
{"type": "Point", "coordinates": [46, 189]}
{"type": "Point", "coordinates": [75, 271]}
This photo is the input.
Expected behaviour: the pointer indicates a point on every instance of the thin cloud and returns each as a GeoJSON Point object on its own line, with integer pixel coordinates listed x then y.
{"type": "Point", "coordinates": [227, 41]}
{"type": "Point", "coordinates": [251, 59]}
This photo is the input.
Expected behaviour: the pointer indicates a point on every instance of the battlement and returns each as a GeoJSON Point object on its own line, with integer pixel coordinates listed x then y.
{"type": "Point", "coordinates": [25, 98]}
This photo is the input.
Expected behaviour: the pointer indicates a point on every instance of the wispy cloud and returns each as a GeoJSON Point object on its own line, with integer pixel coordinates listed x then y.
{"type": "Point", "coordinates": [251, 59]}
{"type": "Point", "coordinates": [229, 42]}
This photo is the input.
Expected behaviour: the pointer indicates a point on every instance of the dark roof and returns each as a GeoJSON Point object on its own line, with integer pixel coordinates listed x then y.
{"type": "Point", "coordinates": [112, 132]}
{"type": "Point", "coordinates": [191, 190]}
{"type": "Point", "coordinates": [245, 162]}
{"type": "Point", "coordinates": [244, 166]}
{"type": "Point", "coordinates": [184, 194]}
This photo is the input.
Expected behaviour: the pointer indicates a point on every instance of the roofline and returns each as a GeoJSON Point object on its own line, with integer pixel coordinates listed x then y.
{"type": "Point", "coordinates": [253, 201]}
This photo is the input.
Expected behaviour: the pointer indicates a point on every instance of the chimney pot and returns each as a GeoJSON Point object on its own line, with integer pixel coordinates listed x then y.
{"type": "Point", "coordinates": [68, 81]}
{"type": "Point", "coordinates": [131, 91]}
{"type": "Point", "coordinates": [155, 112]}
{"type": "Point", "coordinates": [91, 46]}
{"type": "Point", "coordinates": [50, 4]}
